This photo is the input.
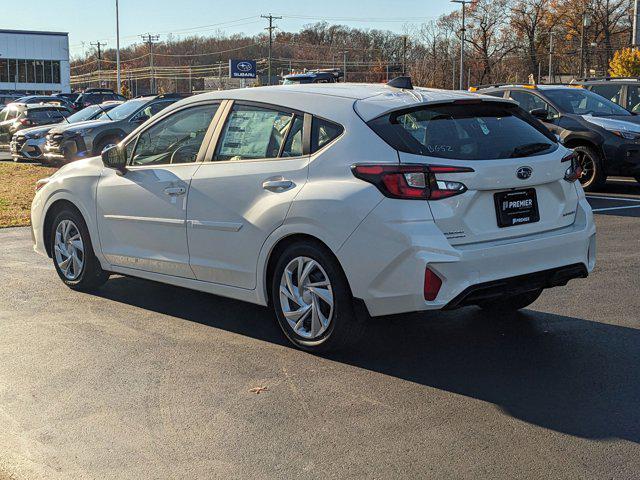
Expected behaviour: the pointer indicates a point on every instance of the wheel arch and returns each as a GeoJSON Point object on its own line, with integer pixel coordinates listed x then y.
{"type": "Point", "coordinates": [119, 134]}
{"type": "Point", "coordinates": [276, 250]}
{"type": "Point", "coordinates": [56, 207]}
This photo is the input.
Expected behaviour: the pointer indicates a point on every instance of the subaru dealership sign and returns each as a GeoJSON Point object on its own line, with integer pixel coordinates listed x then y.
{"type": "Point", "coordinates": [242, 68]}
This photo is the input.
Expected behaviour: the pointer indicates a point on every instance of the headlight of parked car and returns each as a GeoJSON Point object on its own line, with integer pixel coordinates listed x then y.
{"type": "Point", "coordinates": [626, 134]}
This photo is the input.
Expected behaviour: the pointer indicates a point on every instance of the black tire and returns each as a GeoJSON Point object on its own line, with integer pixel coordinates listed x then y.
{"type": "Point", "coordinates": [511, 303]}
{"type": "Point", "coordinates": [91, 275]}
{"type": "Point", "coordinates": [345, 327]}
{"type": "Point", "coordinates": [593, 176]}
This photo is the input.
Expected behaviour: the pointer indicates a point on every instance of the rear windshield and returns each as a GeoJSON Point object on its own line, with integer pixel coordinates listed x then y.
{"type": "Point", "coordinates": [479, 131]}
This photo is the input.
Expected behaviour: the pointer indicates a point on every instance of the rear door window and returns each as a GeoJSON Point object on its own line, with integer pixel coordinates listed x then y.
{"type": "Point", "coordinates": [477, 131]}
{"type": "Point", "coordinates": [253, 132]}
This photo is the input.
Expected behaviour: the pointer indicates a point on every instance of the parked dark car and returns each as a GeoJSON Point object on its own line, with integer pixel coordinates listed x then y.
{"type": "Point", "coordinates": [313, 76]}
{"type": "Point", "coordinates": [623, 91]}
{"type": "Point", "coordinates": [9, 97]}
{"type": "Point", "coordinates": [15, 117]}
{"type": "Point", "coordinates": [604, 136]}
{"type": "Point", "coordinates": [95, 96]}
{"type": "Point", "coordinates": [28, 144]}
{"type": "Point", "coordinates": [72, 97]}
{"type": "Point", "coordinates": [66, 143]}
{"type": "Point", "coordinates": [45, 99]}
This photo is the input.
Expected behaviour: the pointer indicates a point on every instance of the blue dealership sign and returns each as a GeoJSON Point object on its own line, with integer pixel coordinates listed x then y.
{"type": "Point", "coordinates": [242, 68]}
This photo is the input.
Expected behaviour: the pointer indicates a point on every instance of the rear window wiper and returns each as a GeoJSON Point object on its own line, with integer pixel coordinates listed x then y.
{"type": "Point", "coordinates": [530, 149]}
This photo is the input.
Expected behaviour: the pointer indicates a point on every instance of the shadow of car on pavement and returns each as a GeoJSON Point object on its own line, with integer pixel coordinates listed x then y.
{"type": "Point", "coordinates": [566, 374]}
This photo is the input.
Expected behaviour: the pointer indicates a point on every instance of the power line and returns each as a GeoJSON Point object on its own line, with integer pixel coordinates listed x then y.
{"type": "Point", "coordinates": [270, 28]}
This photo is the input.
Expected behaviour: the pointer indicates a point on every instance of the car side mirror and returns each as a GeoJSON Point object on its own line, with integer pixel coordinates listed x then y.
{"type": "Point", "coordinates": [540, 113]}
{"type": "Point", "coordinates": [114, 157]}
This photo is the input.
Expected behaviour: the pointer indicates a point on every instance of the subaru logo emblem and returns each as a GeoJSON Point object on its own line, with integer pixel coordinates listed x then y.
{"type": "Point", "coordinates": [245, 66]}
{"type": "Point", "coordinates": [524, 172]}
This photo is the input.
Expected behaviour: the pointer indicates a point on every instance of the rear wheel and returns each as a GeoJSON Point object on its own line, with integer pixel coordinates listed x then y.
{"type": "Point", "coordinates": [511, 303]}
{"type": "Point", "coordinates": [593, 176]}
{"type": "Point", "coordinates": [72, 252]}
{"type": "Point", "coordinates": [312, 299]}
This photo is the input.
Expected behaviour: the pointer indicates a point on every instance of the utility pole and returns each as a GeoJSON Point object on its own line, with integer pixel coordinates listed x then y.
{"type": "Point", "coordinates": [404, 55]}
{"type": "Point", "coordinates": [636, 20]}
{"type": "Point", "coordinates": [150, 40]}
{"type": "Point", "coordinates": [462, 30]}
{"type": "Point", "coordinates": [98, 45]}
{"type": "Point", "coordinates": [117, 49]}
{"type": "Point", "coordinates": [550, 55]}
{"type": "Point", "coordinates": [344, 65]}
{"type": "Point", "coordinates": [271, 27]}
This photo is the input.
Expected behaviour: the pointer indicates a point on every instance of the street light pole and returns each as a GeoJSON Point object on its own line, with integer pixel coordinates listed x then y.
{"type": "Point", "coordinates": [550, 55]}
{"type": "Point", "coordinates": [462, 30]}
{"type": "Point", "coordinates": [117, 49]}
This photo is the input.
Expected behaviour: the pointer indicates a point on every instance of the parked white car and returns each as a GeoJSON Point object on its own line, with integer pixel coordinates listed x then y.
{"type": "Point", "coordinates": [327, 202]}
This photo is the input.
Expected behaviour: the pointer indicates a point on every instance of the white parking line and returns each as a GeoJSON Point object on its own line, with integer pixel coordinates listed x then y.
{"type": "Point", "coordinates": [614, 208]}
{"type": "Point", "coordinates": [621, 199]}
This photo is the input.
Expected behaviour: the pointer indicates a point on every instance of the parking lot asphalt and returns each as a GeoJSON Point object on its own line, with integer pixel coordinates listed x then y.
{"type": "Point", "coordinates": [142, 380]}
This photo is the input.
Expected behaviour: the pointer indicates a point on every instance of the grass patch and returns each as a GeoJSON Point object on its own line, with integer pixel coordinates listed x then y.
{"type": "Point", "coordinates": [17, 187]}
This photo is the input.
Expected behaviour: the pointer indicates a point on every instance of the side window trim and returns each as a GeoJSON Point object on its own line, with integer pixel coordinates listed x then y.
{"type": "Point", "coordinates": [203, 147]}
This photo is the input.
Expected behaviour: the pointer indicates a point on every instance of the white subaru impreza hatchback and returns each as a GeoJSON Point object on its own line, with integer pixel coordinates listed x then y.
{"type": "Point", "coordinates": [328, 202]}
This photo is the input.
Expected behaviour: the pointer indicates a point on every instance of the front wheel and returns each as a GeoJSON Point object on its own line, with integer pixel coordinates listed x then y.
{"type": "Point", "coordinates": [312, 299]}
{"type": "Point", "coordinates": [511, 303]}
{"type": "Point", "coordinates": [72, 252]}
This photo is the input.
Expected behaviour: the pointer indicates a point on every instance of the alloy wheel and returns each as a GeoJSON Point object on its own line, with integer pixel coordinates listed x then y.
{"type": "Point", "coordinates": [588, 168]}
{"type": "Point", "coordinates": [306, 297]}
{"type": "Point", "coordinates": [69, 249]}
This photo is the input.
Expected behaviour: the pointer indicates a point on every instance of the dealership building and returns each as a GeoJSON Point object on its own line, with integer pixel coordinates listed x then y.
{"type": "Point", "coordinates": [34, 62]}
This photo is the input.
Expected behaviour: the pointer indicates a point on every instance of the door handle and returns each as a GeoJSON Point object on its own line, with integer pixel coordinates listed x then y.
{"type": "Point", "coordinates": [175, 191]}
{"type": "Point", "coordinates": [279, 184]}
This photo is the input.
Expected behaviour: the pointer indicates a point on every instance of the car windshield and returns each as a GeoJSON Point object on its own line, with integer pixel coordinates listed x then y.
{"type": "Point", "coordinates": [583, 102]}
{"type": "Point", "coordinates": [85, 114]}
{"type": "Point", "coordinates": [475, 131]}
{"type": "Point", "coordinates": [125, 110]}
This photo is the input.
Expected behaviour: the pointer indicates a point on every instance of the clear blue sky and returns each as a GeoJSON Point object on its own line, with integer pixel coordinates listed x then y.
{"type": "Point", "coordinates": [91, 20]}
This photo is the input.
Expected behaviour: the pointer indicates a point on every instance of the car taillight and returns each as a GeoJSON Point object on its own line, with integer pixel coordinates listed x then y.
{"type": "Point", "coordinates": [574, 170]}
{"type": "Point", "coordinates": [432, 284]}
{"type": "Point", "coordinates": [411, 181]}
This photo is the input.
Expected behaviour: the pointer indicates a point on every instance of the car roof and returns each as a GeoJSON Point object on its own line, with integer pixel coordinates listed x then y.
{"type": "Point", "coordinates": [369, 100]}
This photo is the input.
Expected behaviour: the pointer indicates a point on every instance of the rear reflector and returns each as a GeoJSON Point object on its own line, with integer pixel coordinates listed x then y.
{"type": "Point", "coordinates": [432, 284]}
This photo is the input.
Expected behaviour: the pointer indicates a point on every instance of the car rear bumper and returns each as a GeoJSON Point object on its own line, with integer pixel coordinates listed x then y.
{"type": "Point", "coordinates": [391, 279]}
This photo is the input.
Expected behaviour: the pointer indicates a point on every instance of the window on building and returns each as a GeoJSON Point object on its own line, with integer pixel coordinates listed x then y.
{"type": "Point", "coordinates": [4, 70]}
{"type": "Point", "coordinates": [29, 71]}
{"type": "Point", "coordinates": [56, 71]}
{"type": "Point", "coordinates": [48, 70]}
{"type": "Point", "coordinates": [22, 71]}
{"type": "Point", "coordinates": [13, 70]}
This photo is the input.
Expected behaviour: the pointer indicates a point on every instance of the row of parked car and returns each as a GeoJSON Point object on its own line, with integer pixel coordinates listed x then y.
{"type": "Point", "coordinates": [589, 117]}
{"type": "Point", "coordinates": [53, 134]}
